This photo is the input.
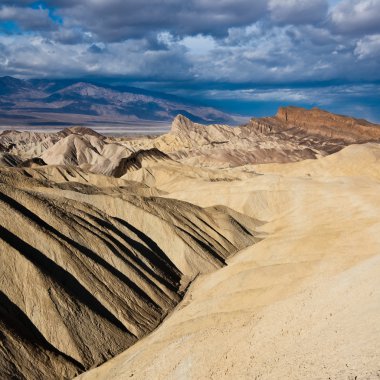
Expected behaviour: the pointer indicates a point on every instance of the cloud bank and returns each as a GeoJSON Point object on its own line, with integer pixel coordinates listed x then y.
{"type": "Point", "coordinates": [272, 42]}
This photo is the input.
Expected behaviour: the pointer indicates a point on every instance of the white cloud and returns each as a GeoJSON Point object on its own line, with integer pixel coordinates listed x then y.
{"type": "Point", "coordinates": [368, 47]}
{"type": "Point", "coordinates": [199, 45]}
{"type": "Point", "coordinates": [356, 16]}
{"type": "Point", "coordinates": [36, 56]}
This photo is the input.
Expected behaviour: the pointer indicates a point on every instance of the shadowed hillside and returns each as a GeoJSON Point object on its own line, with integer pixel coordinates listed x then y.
{"type": "Point", "coordinates": [91, 270]}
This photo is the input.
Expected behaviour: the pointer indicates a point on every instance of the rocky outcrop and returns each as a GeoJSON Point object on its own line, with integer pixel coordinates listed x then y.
{"type": "Point", "coordinates": [260, 141]}
{"type": "Point", "coordinates": [294, 134]}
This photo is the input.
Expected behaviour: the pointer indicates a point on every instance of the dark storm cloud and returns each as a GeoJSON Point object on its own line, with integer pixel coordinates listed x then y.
{"type": "Point", "coordinates": [202, 41]}
{"type": "Point", "coordinates": [70, 36]}
{"type": "Point", "coordinates": [298, 12]}
{"type": "Point", "coordinates": [117, 20]}
{"type": "Point", "coordinates": [27, 18]}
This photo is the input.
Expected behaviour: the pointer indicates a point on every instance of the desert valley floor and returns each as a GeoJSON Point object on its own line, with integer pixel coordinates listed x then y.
{"type": "Point", "coordinates": [209, 252]}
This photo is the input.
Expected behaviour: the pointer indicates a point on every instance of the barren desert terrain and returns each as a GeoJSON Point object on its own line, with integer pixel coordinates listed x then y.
{"type": "Point", "coordinates": [209, 252]}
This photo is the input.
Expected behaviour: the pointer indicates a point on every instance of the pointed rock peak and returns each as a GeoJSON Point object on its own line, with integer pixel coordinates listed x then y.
{"type": "Point", "coordinates": [81, 131]}
{"type": "Point", "coordinates": [181, 123]}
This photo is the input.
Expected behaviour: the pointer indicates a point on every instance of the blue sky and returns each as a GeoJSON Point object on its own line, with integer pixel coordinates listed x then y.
{"type": "Point", "coordinates": [245, 56]}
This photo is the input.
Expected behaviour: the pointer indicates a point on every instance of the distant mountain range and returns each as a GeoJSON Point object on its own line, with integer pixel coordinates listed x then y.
{"type": "Point", "coordinates": [55, 103]}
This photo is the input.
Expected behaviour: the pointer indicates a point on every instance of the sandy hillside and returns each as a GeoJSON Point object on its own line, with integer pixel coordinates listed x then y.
{"type": "Point", "coordinates": [302, 303]}
{"type": "Point", "coordinates": [91, 264]}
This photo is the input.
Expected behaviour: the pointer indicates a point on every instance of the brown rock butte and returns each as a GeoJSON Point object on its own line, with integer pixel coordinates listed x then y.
{"type": "Point", "coordinates": [323, 123]}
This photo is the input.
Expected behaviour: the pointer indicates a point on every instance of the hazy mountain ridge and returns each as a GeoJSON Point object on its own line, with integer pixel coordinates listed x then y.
{"type": "Point", "coordinates": [54, 102]}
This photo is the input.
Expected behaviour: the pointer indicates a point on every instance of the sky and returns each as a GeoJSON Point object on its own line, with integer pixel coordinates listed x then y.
{"type": "Point", "coordinates": [243, 56]}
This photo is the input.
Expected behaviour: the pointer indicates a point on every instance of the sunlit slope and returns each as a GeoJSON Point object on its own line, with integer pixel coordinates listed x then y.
{"type": "Point", "coordinates": [302, 303]}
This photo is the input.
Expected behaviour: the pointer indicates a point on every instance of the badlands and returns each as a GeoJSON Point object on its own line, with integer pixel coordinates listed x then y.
{"type": "Point", "coordinates": [209, 252]}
